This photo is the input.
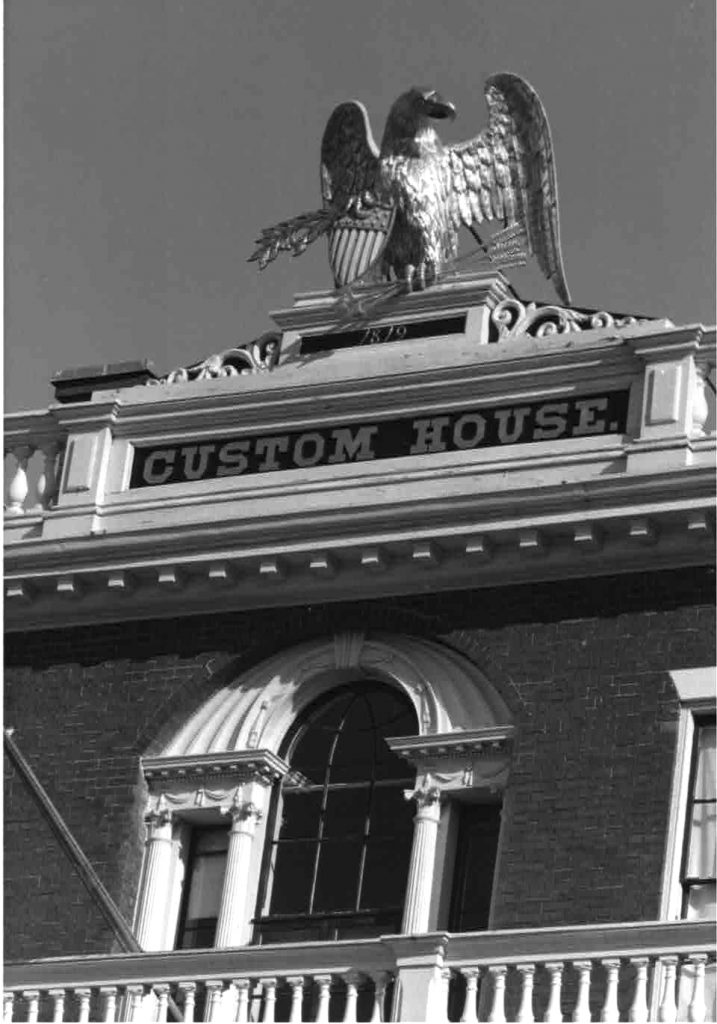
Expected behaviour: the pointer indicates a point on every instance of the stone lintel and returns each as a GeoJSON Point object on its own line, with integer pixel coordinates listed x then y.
{"type": "Point", "coordinates": [247, 764]}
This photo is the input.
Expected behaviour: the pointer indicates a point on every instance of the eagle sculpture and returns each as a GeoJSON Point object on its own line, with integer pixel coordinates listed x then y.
{"type": "Point", "coordinates": [397, 210]}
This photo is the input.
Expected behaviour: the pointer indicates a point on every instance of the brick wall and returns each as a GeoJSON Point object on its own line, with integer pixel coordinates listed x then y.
{"type": "Point", "coordinates": [582, 664]}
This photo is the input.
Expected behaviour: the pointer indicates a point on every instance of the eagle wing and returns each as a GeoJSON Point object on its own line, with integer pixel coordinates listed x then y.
{"type": "Point", "coordinates": [349, 182]}
{"type": "Point", "coordinates": [507, 173]}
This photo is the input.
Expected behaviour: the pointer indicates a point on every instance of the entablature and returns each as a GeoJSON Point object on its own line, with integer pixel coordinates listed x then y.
{"type": "Point", "coordinates": [447, 462]}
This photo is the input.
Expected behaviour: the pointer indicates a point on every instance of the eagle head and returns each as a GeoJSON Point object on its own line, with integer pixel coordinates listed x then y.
{"type": "Point", "coordinates": [410, 117]}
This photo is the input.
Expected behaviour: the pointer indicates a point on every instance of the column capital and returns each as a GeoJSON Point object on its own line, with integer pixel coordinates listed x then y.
{"type": "Point", "coordinates": [425, 795]}
{"type": "Point", "coordinates": [243, 812]}
{"type": "Point", "coordinates": [157, 818]}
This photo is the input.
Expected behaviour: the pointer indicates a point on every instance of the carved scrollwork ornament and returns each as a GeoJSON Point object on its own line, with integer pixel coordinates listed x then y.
{"type": "Point", "coordinates": [515, 319]}
{"type": "Point", "coordinates": [258, 356]}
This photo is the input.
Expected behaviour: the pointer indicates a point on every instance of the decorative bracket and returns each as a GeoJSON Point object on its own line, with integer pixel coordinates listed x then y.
{"type": "Point", "coordinates": [515, 319]}
{"type": "Point", "coordinates": [258, 356]}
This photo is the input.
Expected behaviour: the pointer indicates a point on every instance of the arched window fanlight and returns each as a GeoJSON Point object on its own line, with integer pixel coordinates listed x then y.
{"type": "Point", "coordinates": [339, 838]}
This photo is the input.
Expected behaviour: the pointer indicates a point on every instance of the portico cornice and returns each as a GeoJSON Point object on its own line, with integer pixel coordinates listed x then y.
{"type": "Point", "coordinates": [588, 528]}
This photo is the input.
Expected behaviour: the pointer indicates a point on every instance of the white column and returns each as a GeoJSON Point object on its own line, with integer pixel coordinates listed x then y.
{"type": "Point", "coordinates": [351, 979]}
{"type": "Point", "coordinates": [150, 922]}
{"type": "Point", "coordinates": [525, 1013]}
{"type": "Point", "coordinates": [242, 1001]}
{"type": "Point", "coordinates": [108, 994]}
{"type": "Point", "coordinates": [297, 995]}
{"type": "Point", "coordinates": [698, 1009]}
{"type": "Point", "coordinates": [638, 1008]}
{"type": "Point", "coordinates": [423, 855]}
{"type": "Point", "coordinates": [234, 911]}
{"type": "Point", "coordinates": [58, 1004]}
{"type": "Point", "coordinates": [610, 1013]}
{"type": "Point", "coordinates": [189, 989]}
{"type": "Point", "coordinates": [213, 1006]}
{"type": "Point", "coordinates": [17, 489]}
{"type": "Point", "coordinates": [469, 1015]}
{"type": "Point", "coordinates": [32, 998]}
{"type": "Point", "coordinates": [581, 1013]}
{"type": "Point", "coordinates": [497, 1013]}
{"type": "Point", "coordinates": [553, 1013]}
{"type": "Point", "coordinates": [380, 980]}
{"type": "Point", "coordinates": [667, 1010]}
{"type": "Point", "coordinates": [161, 991]}
{"type": "Point", "coordinates": [47, 481]}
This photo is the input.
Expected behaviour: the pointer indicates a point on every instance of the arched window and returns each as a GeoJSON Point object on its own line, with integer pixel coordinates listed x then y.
{"type": "Point", "coordinates": [340, 831]}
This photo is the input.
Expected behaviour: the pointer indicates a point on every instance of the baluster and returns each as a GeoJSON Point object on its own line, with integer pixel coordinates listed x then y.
{"type": "Point", "coordinates": [242, 999]}
{"type": "Point", "coordinates": [297, 994]}
{"type": "Point", "coordinates": [638, 1010]}
{"type": "Point", "coordinates": [525, 1013]}
{"type": "Point", "coordinates": [667, 1010]}
{"type": "Point", "coordinates": [351, 979]}
{"type": "Point", "coordinates": [189, 988]}
{"type": "Point", "coordinates": [497, 1013]}
{"type": "Point", "coordinates": [58, 1004]}
{"type": "Point", "coordinates": [7, 1008]}
{"type": "Point", "coordinates": [109, 998]}
{"type": "Point", "coordinates": [698, 1008]}
{"type": "Point", "coordinates": [610, 1013]}
{"type": "Point", "coordinates": [134, 997]}
{"type": "Point", "coordinates": [553, 1013]}
{"type": "Point", "coordinates": [47, 480]}
{"type": "Point", "coordinates": [469, 1015]}
{"type": "Point", "coordinates": [445, 990]}
{"type": "Point", "coordinates": [322, 1010]}
{"type": "Point", "coordinates": [17, 491]}
{"type": "Point", "coordinates": [161, 991]}
{"type": "Point", "coordinates": [581, 1013]}
{"type": "Point", "coordinates": [32, 998]}
{"type": "Point", "coordinates": [380, 981]}
{"type": "Point", "coordinates": [213, 1006]}
{"type": "Point", "coordinates": [269, 987]}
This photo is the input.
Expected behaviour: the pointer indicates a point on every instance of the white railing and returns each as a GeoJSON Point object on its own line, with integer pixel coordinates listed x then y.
{"type": "Point", "coordinates": [32, 448]}
{"type": "Point", "coordinates": [630, 972]}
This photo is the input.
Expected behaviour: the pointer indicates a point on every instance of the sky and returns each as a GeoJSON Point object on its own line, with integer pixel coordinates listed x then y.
{"type": "Point", "coordinates": [147, 142]}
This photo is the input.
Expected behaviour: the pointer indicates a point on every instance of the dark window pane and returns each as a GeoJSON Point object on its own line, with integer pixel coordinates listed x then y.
{"type": "Point", "coordinates": [337, 880]}
{"type": "Point", "coordinates": [385, 872]}
{"type": "Point", "coordinates": [293, 874]}
{"type": "Point", "coordinates": [475, 864]}
{"type": "Point", "coordinates": [702, 857]}
{"type": "Point", "coordinates": [391, 813]}
{"type": "Point", "coordinates": [300, 815]}
{"type": "Point", "coordinates": [354, 754]}
{"type": "Point", "coordinates": [340, 743]}
{"type": "Point", "coordinates": [310, 755]}
{"type": "Point", "coordinates": [205, 879]}
{"type": "Point", "coordinates": [199, 933]}
{"type": "Point", "coordinates": [392, 710]}
{"type": "Point", "coordinates": [701, 900]}
{"type": "Point", "coordinates": [705, 776]}
{"type": "Point", "coordinates": [346, 811]}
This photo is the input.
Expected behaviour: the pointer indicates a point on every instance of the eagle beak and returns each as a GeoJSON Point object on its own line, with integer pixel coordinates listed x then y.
{"type": "Point", "coordinates": [440, 108]}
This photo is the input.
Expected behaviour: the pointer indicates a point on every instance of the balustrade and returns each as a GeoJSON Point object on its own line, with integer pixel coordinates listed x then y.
{"type": "Point", "coordinates": [32, 453]}
{"type": "Point", "coordinates": [578, 974]}
{"type": "Point", "coordinates": [293, 998]}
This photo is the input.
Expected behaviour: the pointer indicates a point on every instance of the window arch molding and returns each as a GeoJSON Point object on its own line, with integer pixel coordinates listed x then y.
{"type": "Point", "coordinates": [221, 764]}
{"type": "Point", "coordinates": [448, 692]}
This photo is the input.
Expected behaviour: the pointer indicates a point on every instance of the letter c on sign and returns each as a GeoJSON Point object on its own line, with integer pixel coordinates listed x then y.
{"type": "Point", "coordinates": [151, 474]}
